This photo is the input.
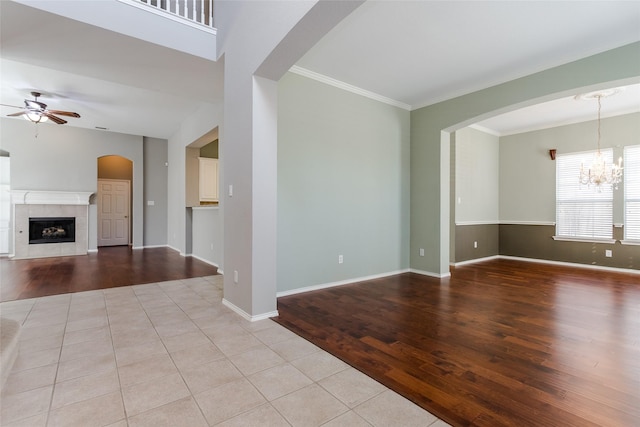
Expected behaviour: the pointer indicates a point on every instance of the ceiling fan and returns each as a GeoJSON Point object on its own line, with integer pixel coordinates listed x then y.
{"type": "Point", "coordinates": [37, 112]}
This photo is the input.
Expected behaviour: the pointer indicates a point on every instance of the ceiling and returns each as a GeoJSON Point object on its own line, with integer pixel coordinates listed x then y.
{"type": "Point", "coordinates": [416, 53]}
{"type": "Point", "coordinates": [422, 52]}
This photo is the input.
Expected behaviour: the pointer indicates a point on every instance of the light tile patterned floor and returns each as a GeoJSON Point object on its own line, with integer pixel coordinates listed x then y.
{"type": "Point", "coordinates": [170, 354]}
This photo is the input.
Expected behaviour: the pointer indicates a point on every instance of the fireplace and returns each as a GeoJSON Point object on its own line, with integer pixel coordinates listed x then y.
{"type": "Point", "coordinates": [52, 230]}
{"type": "Point", "coordinates": [50, 223]}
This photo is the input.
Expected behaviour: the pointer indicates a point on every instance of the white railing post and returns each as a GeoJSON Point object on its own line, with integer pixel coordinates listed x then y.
{"type": "Point", "coordinates": [197, 11]}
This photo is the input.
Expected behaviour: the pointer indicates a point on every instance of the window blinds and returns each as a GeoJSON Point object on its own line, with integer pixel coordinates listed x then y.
{"type": "Point", "coordinates": [632, 192]}
{"type": "Point", "coordinates": [582, 212]}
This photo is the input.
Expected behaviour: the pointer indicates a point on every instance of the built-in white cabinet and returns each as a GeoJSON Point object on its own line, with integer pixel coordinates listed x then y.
{"type": "Point", "coordinates": [208, 179]}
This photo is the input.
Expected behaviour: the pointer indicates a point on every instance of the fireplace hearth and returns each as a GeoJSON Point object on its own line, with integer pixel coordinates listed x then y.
{"type": "Point", "coordinates": [52, 230]}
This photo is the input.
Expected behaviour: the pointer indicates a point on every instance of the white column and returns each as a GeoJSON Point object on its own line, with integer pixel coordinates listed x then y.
{"type": "Point", "coordinates": [265, 188]}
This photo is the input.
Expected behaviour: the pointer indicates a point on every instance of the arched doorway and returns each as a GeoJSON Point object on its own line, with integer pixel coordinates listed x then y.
{"type": "Point", "coordinates": [115, 177]}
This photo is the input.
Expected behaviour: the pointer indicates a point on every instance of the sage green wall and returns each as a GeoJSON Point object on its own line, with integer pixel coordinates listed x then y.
{"type": "Point", "coordinates": [430, 127]}
{"type": "Point", "coordinates": [528, 175]}
{"type": "Point", "coordinates": [210, 150]}
{"type": "Point", "coordinates": [475, 198]}
{"type": "Point", "coordinates": [528, 186]}
{"type": "Point", "coordinates": [343, 185]}
{"type": "Point", "coordinates": [477, 177]}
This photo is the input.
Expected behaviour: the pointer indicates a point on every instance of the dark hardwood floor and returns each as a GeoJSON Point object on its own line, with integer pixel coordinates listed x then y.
{"type": "Point", "coordinates": [109, 267]}
{"type": "Point", "coordinates": [500, 343]}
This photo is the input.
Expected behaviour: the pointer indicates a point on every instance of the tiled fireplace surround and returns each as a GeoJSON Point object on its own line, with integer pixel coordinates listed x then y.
{"type": "Point", "coordinates": [30, 204]}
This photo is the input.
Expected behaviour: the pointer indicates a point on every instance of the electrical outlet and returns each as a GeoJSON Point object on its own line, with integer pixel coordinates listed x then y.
{"type": "Point", "coordinates": [340, 259]}
{"type": "Point", "coordinates": [212, 246]}
{"type": "Point", "coordinates": [608, 253]}
{"type": "Point", "coordinates": [421, 251]}
{"type": "Point", "coordinates": [235, 276]}
{"type": "Point", "coordinates": [475, 245]}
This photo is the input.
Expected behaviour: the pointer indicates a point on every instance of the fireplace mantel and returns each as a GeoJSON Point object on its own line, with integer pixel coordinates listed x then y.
{"type": "Point", "coordinates": [40, 197]}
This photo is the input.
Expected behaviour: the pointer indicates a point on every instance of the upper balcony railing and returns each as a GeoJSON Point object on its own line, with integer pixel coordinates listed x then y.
{"type": "Point", "coordinates": [198, 13]}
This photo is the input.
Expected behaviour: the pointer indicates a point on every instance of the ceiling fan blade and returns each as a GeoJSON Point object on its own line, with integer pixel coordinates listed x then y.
{"type": "Point", "coordinates": [17, 114]}
{"type": "Point", "coordinates": [64, 113]}
{"type": "Point", "coordinates": [54, 119]}
{"type": "Point", "coordinates": [12, 106]}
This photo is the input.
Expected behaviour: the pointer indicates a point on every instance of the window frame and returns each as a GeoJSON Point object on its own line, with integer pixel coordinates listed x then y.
{"type": "Point", "coordinates": [631, 171]}
{"type": "Point", "coordinates": [575, 194]}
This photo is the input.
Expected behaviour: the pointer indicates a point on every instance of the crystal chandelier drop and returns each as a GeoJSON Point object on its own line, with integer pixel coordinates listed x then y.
{"type": "Point", "coordinates": [600, 172]}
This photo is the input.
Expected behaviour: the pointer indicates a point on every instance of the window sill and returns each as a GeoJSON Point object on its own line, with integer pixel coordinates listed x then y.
{"type": "Point", "coordinates": [630, 242]}
{"type": "Point", "coordinates": [583, 239]}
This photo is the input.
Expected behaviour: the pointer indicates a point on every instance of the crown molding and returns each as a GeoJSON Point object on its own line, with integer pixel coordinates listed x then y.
{"type": "Point", "coordinates": [349, 88]}
{"type": "Point", "coordinates": [485, 130]}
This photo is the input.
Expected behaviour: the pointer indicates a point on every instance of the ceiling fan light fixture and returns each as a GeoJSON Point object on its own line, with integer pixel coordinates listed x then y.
{"type": "Point", "coordinates": [36, 117]}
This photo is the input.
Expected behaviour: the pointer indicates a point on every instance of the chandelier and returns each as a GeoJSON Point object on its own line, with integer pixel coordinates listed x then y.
{"type": "Point", "coordinates": [600, 172]}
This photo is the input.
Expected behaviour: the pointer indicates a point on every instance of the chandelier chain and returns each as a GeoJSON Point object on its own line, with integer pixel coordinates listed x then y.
{"type": "Point", "coordinates": [599, 109]}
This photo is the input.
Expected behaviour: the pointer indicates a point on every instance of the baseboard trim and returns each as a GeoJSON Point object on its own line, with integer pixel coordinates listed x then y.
{"type": "Point", "coordinates": [338, 283]}
{"type": "Point", "coordinates": [206, 261]}
{"type": "Point", "coordinates": [548, 261]}
{"type": "Point", "coordinates": [246, 315]}
{"type": "Point", "coordinates": [572, 264]}
{"type": "Point", "coordinates": [430, 273]}
{"type": "Point", "coordinates": [473, 261]}
{"type": "Point", "coordinates": [175, 249]}
{"type": "Point", "coordinates": [155, 246]}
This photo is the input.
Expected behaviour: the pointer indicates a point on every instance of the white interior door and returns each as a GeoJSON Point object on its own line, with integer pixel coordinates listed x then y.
{"type": "Point", "coordinates": [113, 212]}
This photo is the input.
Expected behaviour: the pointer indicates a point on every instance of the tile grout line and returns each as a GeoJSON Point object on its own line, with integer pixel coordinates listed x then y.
{"type": "Point", "coordinates": [171, 357]}
{"type": "Point", "coordinates": [115, 359]}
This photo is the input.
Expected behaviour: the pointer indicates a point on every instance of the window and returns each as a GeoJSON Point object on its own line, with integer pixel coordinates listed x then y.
{"type": "Point", "coordinates": [632, 193]}
{"type": "Point", "coordinates": [582, 212]}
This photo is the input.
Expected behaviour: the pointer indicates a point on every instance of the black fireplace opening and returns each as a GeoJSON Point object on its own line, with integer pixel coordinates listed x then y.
{"type": "Point", "coordinates": [52, 230]}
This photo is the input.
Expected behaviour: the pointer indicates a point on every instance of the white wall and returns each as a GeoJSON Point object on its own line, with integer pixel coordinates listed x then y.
{"type": "Point", "coordinates": [135, 22]}
{"type": "Point", "coordinates": [64, 158]}
{"type": "Point", "coordinates": [5, 203]}
{"type": "Point", "coordinates": [207, 235]}
{"type": "Point", "coordinates": [199, 124]}
{"type": "Point", "coordinates": [476, 177]}
{"type": "Point", "coordinates": [251, 34]}
{"type": "Point", "coordinates": [343, 185]}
